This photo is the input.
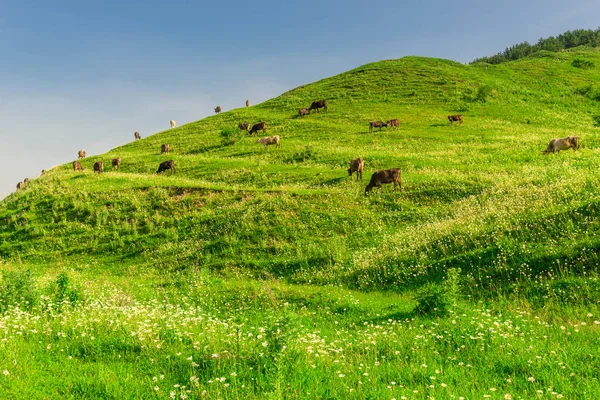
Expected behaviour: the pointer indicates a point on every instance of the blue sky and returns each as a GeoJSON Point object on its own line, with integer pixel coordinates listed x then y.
{"type": "Point", "coordinates": [85, 75]}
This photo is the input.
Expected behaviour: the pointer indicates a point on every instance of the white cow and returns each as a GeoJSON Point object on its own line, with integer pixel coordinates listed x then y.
{"type": "Point", "coordinates": [173, 124]}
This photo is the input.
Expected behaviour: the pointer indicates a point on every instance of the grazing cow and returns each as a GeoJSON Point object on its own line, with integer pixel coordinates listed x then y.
{"type": "Point", "coordinates": [25, 181]}
{"type": "Point", "coordinates": [20, 185]}
{"type": "Point", "coordinates": [165, 165]}
{"type": "Point", "coordinates": [116, 162]}
{"type": "Point", "coordinates": [385, 176]}
{"type": "Point", "coordinates": [269, 140]}
{"type": "Point", "coordinates": [244, 126]}
{"type": "Point", "coordinates": [393, 123]}
{"type": "Point", "coordinates": [43, 171]}
{"type": "Point", "coordinates": [247, 103]}
{"type": "Point", "coordinates": [453, 118]}
{"type": "Point", "coordinates": [261, 126]}
{"type": "Point", "coordinates": [164, 148]}
{"type": "Point", "coordinates": [318, 104]}
{"type": "Point", "coordinates": [98, 166]}
{"type": "Point", "coordinates": [357, 165]}
{"type": "Point", "coordinates": [173, 124]}
{"type": "Point", "coordinates": [556, 145]}
{"type": "Point", "coordinates": [77, 166]}
{"type": "Point", "coordinates": [377, 124]}
{"type": "Point", "coordinates": [137, 136]}
{"type": "Point", "coordinates": [302, 112]}
{"type": "Point", "coordinates": [218, 109]}
{"type": "Point", "coordinates": [81, 154]}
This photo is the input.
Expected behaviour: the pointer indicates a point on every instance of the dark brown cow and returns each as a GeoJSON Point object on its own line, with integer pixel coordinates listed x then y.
{"type": "Point", "coordinates": [81, 154]}
{"type": "Point", "coordinates": [165, 165]}
{"type": "Point", "coordinates": [164, 148]}
{"type": "Point", "coordinates": [357, 165]}
{"type": "Point", "coordinates": [318, 104]}
{"type": "Point", "coordinates": [218, 109]}
{"type": "Point", "coordinates": [116, 162]}
{"type": "Point", "coordinates": [302, 112]}
{"type": "Point", "coordinates": [393, 123]}
{"type": "Point", "coordinates": [377, 124]}
{"type": "Point", "coordinates": [43, 171]}
{"type": "Point", "coordinates": [98, 166]}
{"type": "Point", "coordinates": [247, 103]}
{"type": "Point", "coordinates": [453, 118]}
{"type": "Point", "coordinates": [25, 181]}
{"type": "Point", "coordinates": [20, 185]}
{"type": "Point", "coordinates": [261, 126]}
{"type": "Point", "coordinates": [137, 136]}
{"type": "Point", "coordinates": [77, 166]}
{"type": "Point", "coordinates": [385, 176]}
{"type": "Point", "coordinates": [244, 126]}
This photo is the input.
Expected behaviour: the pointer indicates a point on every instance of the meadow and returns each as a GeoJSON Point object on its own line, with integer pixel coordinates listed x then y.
{"type": "Point", "coordinates": [267, 273]}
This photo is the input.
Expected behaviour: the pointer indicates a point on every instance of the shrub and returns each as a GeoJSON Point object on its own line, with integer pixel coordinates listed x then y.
{"type": "Point", "coordinates": [65, 291]}
{"type": "Point", "coordinates": [229, 136]}
{"type": "Point", "coordinates": [301, 156]}
{"type": "Point", "coordinates": [18, 288]}
{"type": "Point", "coordinates": [483, 93]}
{"type": "Point", "coordinates": [436, 300]}
{"type": "Point", "coordinates": [581, 62]}
{"type": "Point", "coordinates": [596, 119]}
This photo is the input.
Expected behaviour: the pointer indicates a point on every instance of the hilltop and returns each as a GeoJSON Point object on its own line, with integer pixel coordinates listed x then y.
{"type": "Point", "coordinates": [244, 241]}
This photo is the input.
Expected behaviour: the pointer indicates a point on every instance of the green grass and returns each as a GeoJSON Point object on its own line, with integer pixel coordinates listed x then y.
{"type": "Point", "coordinates": [245, 241]}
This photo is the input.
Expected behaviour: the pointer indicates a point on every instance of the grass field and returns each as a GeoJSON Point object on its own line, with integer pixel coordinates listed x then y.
{"type": "Point", "coordinates": [267, 273]}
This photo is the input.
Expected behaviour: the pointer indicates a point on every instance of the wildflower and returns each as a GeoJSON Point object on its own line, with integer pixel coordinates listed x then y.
{"type": "Point", "coordinates": [233, 374]}
{"type": "Point", "coordinates": [172, 395]}
{"type": "Point", "coordinates": [492, 389]}
{"type": "Point", "coordinates": [508, 396]}
{"type": "Point", "coordinates": [156, 388]}
{"type": "Point", "coordinates": [531, 379]}
{"type": "Point", "coordinates": [341, 375]}
{"type": "Point", "coordinates": [5, 372]}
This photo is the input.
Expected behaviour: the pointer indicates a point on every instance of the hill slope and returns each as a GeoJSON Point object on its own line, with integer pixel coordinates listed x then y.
{"type": "Point", "coordinates": [480, 195]}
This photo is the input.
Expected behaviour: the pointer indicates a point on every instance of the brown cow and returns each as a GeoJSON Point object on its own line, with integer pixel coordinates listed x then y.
{"type": "Point", "coordinates": [43, 171]}
{"type": "Point", "coordinates": [81, 154]}
{"type": "Point", "coordinates": [137, 136]}
{"type": "Point", "coordinates": [25, 181]}
{"type": "Point", "coordinates": [357, 165]}
{"type": "Point", "coordinates": [377, 124]}
{"type": "Point", "coordinates": [258, 127]}
{"type": "Point", "coordinates": [385, 176]}
{"type": "Point", "coordinates": [453, 118]}
{"type": "Point", "coordinates": [244, 126]}
{"type": "Point", "coordinates": [116, 162]}
{"type": "Point", "coordinates": [269, 140]}
{"type": "Point", "coordinates": [98, 166]}
{"type": "Point", "coordinates": [218, 109]}
{"type": "Point", "coordinates": [77, 166]}
{"type": "Point", "coordinates": [165, 165]}
{"type": "Point", "coordinates": [318, 104]}
{"type": "Point", "coordinates": [556, 145]}
{"type": "Point", "coordinates": [20, 185]}
{"type": "Point", "coordinates": [302, 112]}
{"type": "Point", "coordinates": [393, 123]}
{"type": "Point", "coordinates": [164, 148]}
{"type": "Point", "coordinates": [247, 103]}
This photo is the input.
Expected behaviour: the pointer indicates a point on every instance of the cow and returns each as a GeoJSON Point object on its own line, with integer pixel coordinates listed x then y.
{"type": "Point", "coordinates": [357, 165]}
{"type": "Point", "coordinates": [43, 171]}
{"type": "Point", "coordinates": [261, 126]}
{"type": "Point", "coordinates": [247, 103]}
{"type": "Point", "coordinates": [25, 181]}
{"type": "Point", "coordinates": [173, 124]}
{"type": "Point", "coordinates": [165, 165]}
{"type": "Point", "coordinates": [164, 148]}
{"type": "Point", "coordinates": [98, 166]}
{"type": "Point", "coordinates": [318, 104]}
{"type": "Point", "coordinates": [385, 176]}
{"type": "Point", "coordinates": [116, 162]}
{"type": "Point", "coordinates": [453, 118]}
{"type": "Point", "coordinates": [556, 145]}
{"type": "Point", "coordinates": [20, 185]}
{"type": "Point", "coordinates": [77, 166]}
{"type": "Point", "coordinates": [244, 126]}
{"type": "Point", "coordinates": [218, 109]}
{"type": "Point", "coordinates": [393, 123]}
{"type": "Point", "coordinates": [302, 112]}
{"type": "Point", "coordinates": [269, 140]}
{"type": "Point", "coordinates": [137, 136]}
{"type": "Point", "coordinates": [377, 124]}
{"type": "Point", "coordinates": [81, 154]}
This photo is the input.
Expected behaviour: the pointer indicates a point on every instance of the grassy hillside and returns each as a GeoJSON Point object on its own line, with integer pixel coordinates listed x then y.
{"type": "Point", "coordinates": [245, 239]}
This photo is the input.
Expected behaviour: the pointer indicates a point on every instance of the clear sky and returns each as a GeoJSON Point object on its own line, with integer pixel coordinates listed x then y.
{"type": "Point", "coordinates": [77, 74]}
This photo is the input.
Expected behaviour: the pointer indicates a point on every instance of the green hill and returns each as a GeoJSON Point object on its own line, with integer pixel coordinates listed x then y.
{"type": "Point", "coordinates": [523, 228]}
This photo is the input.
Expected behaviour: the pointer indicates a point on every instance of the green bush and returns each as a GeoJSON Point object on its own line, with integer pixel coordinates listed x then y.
{"type": "Point", "coordinates": [596, 119]}
{"type": "Point", "coordinates": [229, 136]}
{"type": "Point", "coordinates": [581, 62]}
{"type": "Point", "coordinates": [65, 291]}
{"type": "Point", "coordinates": [483, 93]}
{"type": "Point", "coordinates": [18, 288]}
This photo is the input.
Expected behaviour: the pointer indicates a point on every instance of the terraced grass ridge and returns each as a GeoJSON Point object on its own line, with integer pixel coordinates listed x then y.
{"type": "Point", "coordinates": [260, 272]}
